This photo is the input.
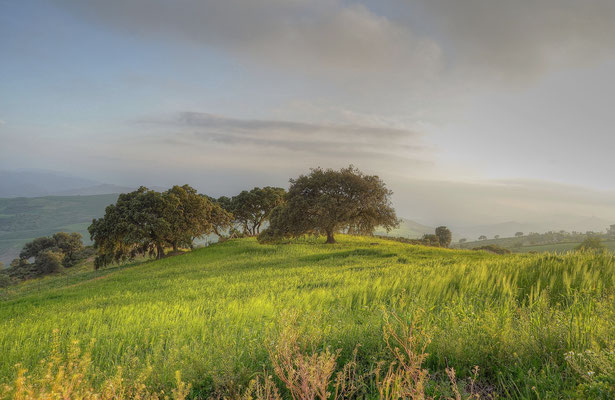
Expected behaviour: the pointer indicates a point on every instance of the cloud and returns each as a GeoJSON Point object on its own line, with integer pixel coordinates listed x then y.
{"type": "Point", "coordinates": [522, 39]}
{"type": "Point", "coordinates": [418, 40]}
{"type": "Point", "coordinates": [318, 139]}
{"type": "Point", "coordinates": [462, 203]}
{"type": "Point", "coordinates": [310, 36]}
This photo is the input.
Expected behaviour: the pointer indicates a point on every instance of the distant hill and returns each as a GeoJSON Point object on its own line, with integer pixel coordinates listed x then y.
{"type": "Point", "coordinates": [408, 229]}
{"type": "Point", "coordinates": [545, 224]}
{"type": "Point", "coordinates": [103, 188]}
{"type": "Point", "coordinates": [26, 183]}
{"type": "Point", "coordinates": [23, 219]}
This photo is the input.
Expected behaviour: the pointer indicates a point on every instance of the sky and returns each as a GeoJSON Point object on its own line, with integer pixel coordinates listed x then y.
{"type": "Point", "coordinates": [473, 111]}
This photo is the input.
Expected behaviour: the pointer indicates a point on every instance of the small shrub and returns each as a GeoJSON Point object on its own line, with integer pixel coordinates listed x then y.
{"type": "Point", "coordinates": [49, 262]}
{"type": "Point", "coordinates": [310, 375]}
{"type": "Point", "coordinates": [492, 248]}
{"type": "Point", "coordinates": [5, 280]}
{"type": "Point", "coordinates": [591, 243]}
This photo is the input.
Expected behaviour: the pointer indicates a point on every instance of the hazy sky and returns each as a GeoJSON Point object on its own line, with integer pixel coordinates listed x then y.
{"type": "Point", "coordinates": [472, 110]}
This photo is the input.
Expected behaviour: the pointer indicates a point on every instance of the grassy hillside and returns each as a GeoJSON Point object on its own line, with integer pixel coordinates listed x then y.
{"type": "Point", "coordinates": [210, 313]}
{"type": "Point", "coordinates": [522, 245]}
{"type": "Point", "coordinates": [23, 219]}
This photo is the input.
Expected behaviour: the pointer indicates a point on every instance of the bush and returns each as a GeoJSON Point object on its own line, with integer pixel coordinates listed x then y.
{"type": "Point", "coordinates": [492, 248]}
{"type": "Point", "coordinates": [5, 280]}
{"type": "Point", "coordinates": [591, 243]}
{"type": "Point", "coordinates": [48, 262]}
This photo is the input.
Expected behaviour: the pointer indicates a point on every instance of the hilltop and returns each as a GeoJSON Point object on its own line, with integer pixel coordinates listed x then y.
{"type": "Point", "coordinates": [209, 313]}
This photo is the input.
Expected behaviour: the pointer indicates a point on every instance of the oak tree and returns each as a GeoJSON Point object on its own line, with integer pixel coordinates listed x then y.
{"type": "Point", "coordinates": [326, 202]}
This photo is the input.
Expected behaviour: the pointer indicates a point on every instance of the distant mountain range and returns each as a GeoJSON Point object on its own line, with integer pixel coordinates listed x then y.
{"type": "Point", "coordinates": [549, 223]}
{"type": "Point", "coordinates": [31, 183]}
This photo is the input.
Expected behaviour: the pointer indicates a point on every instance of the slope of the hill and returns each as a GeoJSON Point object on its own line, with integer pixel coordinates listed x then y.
{"type": "Point", "coordinates": [211, 312]}
{"type": "Point", "coordinates": [23, 219]}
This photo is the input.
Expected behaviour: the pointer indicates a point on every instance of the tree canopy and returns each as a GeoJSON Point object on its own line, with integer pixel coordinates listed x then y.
{"type": "Point", "coordinates": [145, 221]}
{"type": "Point", "coordinates": [591, 243]}
{"type": "Point", "coordinates": [250, 209]}
{"type": "Point", "coordinates": [327, 201]}
{"type": "Point", "coordinates": [445, 237]}
{"type": "Point", "coordinates": [67, 244]}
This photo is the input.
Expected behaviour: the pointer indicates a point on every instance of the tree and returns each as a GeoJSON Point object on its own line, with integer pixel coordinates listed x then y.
{"type": "Point", "coordinates": [445, 237]}
{"type": "Point", "coordinates": [327, 201]}
{"type": "Point", "coordinates": [49, 261]}
{"type": "Point", "coordinates": [591, 243]}
{"type": "Point", "coordinates": [250, 209]}
{"type": "Point", "coordinates": [188, 214]}
{"type": "Point", "coordinates": [36, 246]}
{"type": "Point", "coordinates": [518, 234]}
{"type": "Point", "coordinates": [496, 237]}
{"type": "Point", "coordinates": [69, 244]}
{"type": "Point", "coordinates": [431, 240]}
{"type": "Point", "coordinates": [482, 237]}
{"type": "Point", "coordinates": [145, 222]}
{"type": "Point", "coordinates": [463, 240]}
{"type": "Point", "coordinates": [135, 224]}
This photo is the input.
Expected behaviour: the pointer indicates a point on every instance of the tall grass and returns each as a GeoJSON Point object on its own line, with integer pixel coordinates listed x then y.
{"type": "Point", "coordinates": [212, 312]}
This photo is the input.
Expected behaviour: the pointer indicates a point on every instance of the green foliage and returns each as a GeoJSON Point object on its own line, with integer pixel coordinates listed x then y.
{"type": "Point", "coordinates": [188, 214]}
{"type": "Point", "coordinates": [135, 224]}
{"type": "Point", "coordinates": [145, 221]}
{"type": "Point", "coordinates": [327, 201]}
{"type": "Point", "coordinates": [50, 255]}
{"type": "Point", "coordinates": [5, 279]}
{"type": "Point", "coordinates": [210, 313]}
{"type": "Point", "coordinates": [492, 248]}
{"type": "Point", "coordinates": [68, 244]}
{"type": "Point", "coordinates": [49, 261]}
{"type": "Point", "coordinates": [250, 209]}
{"type": "Point", "coordinates": [445, 237]}
{"type": "Point", "coordinates": [430, 240]}
{"type": "Point", "coordinates": [591, 243]}
{"type": "Point", "coordinates": [35, 247]}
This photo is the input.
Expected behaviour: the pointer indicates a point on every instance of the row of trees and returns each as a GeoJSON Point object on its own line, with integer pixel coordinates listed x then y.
{"type": "Point", "coordinates": [146, 222]}
{"type": "Point", "coordinates": [250, 210]}
{"type": "Point", "coordinates": [322, 202]}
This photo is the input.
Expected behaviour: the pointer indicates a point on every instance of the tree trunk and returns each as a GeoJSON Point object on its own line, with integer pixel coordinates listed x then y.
{"type": "Point", "coordinates": [160, 251]}
{"type": "Point", "coordinates": [330, 238]}
{"type": "Point", "coordinates": [174, 247]}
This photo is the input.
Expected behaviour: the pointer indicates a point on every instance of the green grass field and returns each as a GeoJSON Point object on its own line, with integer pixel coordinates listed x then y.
{"type": "Point", "coordinates": [211, 312]}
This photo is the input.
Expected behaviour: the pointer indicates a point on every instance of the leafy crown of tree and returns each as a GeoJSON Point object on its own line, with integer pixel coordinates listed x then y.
{"type": "Point", "coordinates": [327, 201]}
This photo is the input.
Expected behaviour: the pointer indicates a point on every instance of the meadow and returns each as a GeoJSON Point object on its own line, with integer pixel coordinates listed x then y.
{"type": "Point", "coordinates": [210, 313]}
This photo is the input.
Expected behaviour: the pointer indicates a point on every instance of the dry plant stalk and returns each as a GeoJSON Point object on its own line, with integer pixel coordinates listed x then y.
{"type": "Point", "coordinates": [68, 378]}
